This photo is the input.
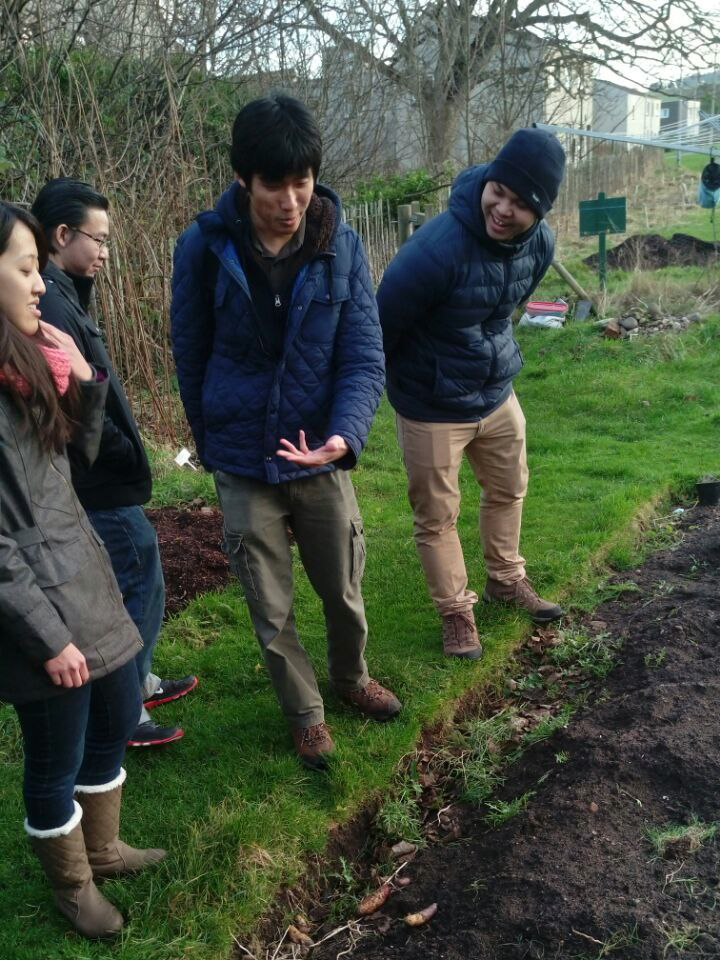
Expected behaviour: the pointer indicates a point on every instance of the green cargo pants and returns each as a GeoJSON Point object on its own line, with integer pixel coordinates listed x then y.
{"type": "Point", "coordinates": [323, 514]}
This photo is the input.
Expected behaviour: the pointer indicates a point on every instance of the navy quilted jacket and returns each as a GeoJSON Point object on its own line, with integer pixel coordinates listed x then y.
{"type": "Point", "coordinates": [239, 399]}
{"type": "Point", "coordinates": [446, 304]}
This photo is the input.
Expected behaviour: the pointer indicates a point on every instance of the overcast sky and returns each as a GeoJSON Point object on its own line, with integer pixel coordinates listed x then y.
{"type": "Point", "coordinates": [644, 74]}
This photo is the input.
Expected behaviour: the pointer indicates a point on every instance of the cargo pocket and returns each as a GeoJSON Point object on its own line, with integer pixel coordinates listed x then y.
{"type": "Point", "coordinates": [358, 550]}
{"type": "Point", "coordinates": [235, 548]}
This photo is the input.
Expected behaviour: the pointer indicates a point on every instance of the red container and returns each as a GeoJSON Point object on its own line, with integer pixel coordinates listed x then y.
{"type": "Point", "coordinates": [537, 308]}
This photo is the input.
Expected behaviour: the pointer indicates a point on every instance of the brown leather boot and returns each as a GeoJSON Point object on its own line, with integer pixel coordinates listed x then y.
{"type": "Point", "coordinates": [107, 854]}
{"type": "Point", "coordinates": [374, 700]}
{"type": "Point", "coordinates": [66, 866]}
{"type": "Point", "coordinates": [521, 594]}
{"type": "Point", "coordinates": [460, 636]}
{"type": "Point", "coordinates": [314, 745]}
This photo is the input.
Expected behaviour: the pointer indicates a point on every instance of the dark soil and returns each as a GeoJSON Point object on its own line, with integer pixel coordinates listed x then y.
{"type": "Point", "coordinates": [192, 559]}
{"type": "Point", "coordinates": [574, 874]}
{"type": "Point", "coordinates": [651, 251]}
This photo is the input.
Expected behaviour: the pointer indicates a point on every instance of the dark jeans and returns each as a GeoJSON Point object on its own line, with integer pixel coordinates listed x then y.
{"type": "Point", "coordinates": [76, 737]}
{"type": "Point", "coordinates": [132, 544]}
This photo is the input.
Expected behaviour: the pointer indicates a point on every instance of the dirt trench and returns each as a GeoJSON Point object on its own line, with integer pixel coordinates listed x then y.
{"type": "Point", "coordinates": [574, 875]}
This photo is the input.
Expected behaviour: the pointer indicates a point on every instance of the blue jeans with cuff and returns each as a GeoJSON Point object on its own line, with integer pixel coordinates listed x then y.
{"type": "Point", "coordinates": [131, 541]}
{"type": "Point", "coordinates": [76, 737]}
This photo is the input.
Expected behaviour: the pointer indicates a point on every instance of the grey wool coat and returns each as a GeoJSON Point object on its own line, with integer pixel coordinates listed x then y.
{"type": "Point", "coordinates": [56, 582]}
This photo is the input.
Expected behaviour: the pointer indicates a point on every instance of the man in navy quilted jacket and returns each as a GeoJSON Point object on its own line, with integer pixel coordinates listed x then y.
{"type": "Point", "coordinates": [279, 359]}
{"type": "Point", "coordinates": [446, 304]}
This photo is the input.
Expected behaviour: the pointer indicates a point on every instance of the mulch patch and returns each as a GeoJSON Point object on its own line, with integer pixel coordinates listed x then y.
{"type": "Point", "coordinates": [651, 251]}
{"type": "Point", "coordinates": [574, 875]}
{"type": "Point", "coordinates": [190, 552]}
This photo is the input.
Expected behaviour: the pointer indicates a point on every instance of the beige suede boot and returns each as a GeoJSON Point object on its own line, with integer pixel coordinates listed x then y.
{"type": "Point", "coordinates": [107, 854]}
{"type": "Point", "coordinates": [64, 860]}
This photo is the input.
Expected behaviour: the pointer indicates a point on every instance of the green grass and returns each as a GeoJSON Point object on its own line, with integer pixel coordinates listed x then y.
{"type": "Point", "coordinates": [690, 836]}
{"type": "Point", "coordinates": [173, 485]}
{"type": "Point", "coordinates": [612, 427]}
{"type": "Point", "coordinates": [686, 161]}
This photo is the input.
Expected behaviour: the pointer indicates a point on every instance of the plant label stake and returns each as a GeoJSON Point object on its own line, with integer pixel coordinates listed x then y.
{"type": "Point", "coordinates": [602, 216]}
{"type": "Point", "coordinates": [183, 458]}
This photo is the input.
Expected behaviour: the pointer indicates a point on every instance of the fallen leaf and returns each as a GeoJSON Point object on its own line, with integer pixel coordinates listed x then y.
{"type": "Point", "coordinates": [373, 901]}
{"type": "Point", "coordinates": [422, 916]}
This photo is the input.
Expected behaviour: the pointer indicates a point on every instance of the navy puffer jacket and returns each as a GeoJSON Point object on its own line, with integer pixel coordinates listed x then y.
{"type": "Point", "coordinates": [239, 398]}
{"type": "Point", "coordinates": [446, 304]}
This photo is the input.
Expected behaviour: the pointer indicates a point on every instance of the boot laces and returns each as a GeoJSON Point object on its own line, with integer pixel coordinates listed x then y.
{"type": "Point", "coordinates": [315, 734]}
{"type": "Point", "coordinates": [459, 628]}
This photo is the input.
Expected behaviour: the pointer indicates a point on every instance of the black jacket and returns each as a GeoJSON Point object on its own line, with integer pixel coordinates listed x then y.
{"type": "Point", "coordinates": [56, 582]}
{"type": "Point", "coordinates": [120, 476]}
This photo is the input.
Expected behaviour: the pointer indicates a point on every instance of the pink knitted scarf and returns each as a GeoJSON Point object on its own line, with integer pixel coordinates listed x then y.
{"type": "Point", "coordinates": [59, 364]}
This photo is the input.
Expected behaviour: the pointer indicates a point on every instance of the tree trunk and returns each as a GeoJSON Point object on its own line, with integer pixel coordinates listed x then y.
{"type": "Point", "coordinates": [440, 122]}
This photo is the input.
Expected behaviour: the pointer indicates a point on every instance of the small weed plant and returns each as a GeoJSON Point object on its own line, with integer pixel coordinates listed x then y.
{"type": "Point", "coordinates": [594, 655]}
{"type": "Point", "coordinates": [655, 660]}
{"type": "Point", "coordinates": [399, 816]}
{"type": "Point", "coordinates": [501, 811]}
{"type": "Point", "coordinates": [680, 939]}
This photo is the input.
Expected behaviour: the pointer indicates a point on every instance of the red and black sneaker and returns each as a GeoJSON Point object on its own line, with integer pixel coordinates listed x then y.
{"type": "Point", "coordinates": [170, 690]}
{"type": "Point", "coordinates": [149, 734]}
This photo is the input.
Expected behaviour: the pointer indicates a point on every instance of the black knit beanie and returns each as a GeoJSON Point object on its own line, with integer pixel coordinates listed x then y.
{"type": "Point", "coordinates": [532, 165]}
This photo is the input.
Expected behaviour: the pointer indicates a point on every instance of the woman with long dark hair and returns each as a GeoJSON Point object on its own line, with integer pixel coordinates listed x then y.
{"type": "Point", "coordinates": [66, 642]}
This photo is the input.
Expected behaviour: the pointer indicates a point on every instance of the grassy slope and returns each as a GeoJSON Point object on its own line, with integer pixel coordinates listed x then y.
{"type": "Point", "coordinates": [611, 425]}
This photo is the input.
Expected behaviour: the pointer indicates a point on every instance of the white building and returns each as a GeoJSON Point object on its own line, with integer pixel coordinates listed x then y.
{"type": "Point", "coordinates": [628, 112]}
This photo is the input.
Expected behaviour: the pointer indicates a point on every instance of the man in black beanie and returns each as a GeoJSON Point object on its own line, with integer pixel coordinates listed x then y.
{"type": "Point", "coordinates": [446, 304]}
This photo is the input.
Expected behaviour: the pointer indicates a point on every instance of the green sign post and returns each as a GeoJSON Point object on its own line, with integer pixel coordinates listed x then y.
{"type": "Point", "coordinates": [602, 216]}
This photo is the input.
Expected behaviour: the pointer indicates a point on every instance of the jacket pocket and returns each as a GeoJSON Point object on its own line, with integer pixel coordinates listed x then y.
{"type": "Point", "coordinates": [53, 567]}
{"type": "Point", "coordinates": [323, 313]}
{"type": "Point", "coordinates": [359, 551]}
{"type": "Point", "coordinates": [456, 384]}
{"type": "Point", "coordinates": [235, 548]}
{"type": "Point", "coordinates": [27, 536]}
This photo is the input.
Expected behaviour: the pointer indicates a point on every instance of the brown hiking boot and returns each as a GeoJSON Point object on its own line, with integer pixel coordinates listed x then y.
{"type": "Point", "coordinates": [374, 701]}
{"type": "Point", "coordinates": [460, 636]}
{"type": "Point", "coordinates": [313, 745]}
{"type": "Point", "coordinates": [521, 594]}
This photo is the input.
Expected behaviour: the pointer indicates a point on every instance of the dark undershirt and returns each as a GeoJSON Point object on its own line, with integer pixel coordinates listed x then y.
{"type": "Point", "coordinates": [271, 278]}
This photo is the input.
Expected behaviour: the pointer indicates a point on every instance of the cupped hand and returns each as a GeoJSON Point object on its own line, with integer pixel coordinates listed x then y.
{"type": "Point", "coordinates": [78, 364]}
{"type": "Point", "coordinates": [333, 449]}
{"type": "Point", "coordinates": [68, 668]}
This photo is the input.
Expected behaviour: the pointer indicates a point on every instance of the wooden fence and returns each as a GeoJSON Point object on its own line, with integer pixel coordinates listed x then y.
{"type": "Point", "coordinates": [613, 169]}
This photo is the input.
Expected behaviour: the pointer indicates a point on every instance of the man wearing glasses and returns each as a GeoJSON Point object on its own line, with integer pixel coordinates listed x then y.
{"type": "Point", "coordinates": [74, 217]}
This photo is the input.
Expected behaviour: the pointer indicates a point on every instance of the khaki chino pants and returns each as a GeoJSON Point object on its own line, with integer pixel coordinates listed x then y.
{"type": "Point", "coordinates": [325, 520]}
{"type": "Point", "coordinates": [433, 453]}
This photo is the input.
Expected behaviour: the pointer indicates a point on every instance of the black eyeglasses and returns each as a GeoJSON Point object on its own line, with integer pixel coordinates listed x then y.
{"type": "Point", "coordinates": [98, 240]}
